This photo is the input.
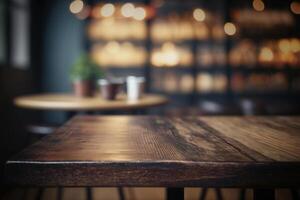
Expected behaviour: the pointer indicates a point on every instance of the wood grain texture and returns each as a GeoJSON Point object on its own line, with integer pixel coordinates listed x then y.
{"type": "Point", "coordinates": [73, 103]}
{"type": "Point", "coordinates": [162, 151]}
{"type": "Point", "coordinates": [276, 138]}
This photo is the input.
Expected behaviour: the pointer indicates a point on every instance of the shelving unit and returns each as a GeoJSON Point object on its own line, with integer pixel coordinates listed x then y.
{"type": "Point", "coordinates": [186, 91]}
{"type": "Point", "coordinates": [286, 70]}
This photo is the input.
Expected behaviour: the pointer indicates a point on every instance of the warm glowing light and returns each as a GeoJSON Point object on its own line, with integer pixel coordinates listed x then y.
{"type": "Point", "coordinates": [76, 6]}
{"type": "Point", "coordinates": [127, 10]}
{"type": "Point", "coordinates": [128, 54]}
{"type": "Point", "coordinates": [168, 55]}
{"type": "Point", "coordinates": [107, 10]}
{"type": "Point", "coordinates": [168, 46]}
{"type": "Point", "coordinates": [139, 13]}
{"type": "Point", "coordinates": [284, 45]}
{"type": "Point", "coordinates": [113, 47]}
{"type": "Point", "coordinates": [295, 45]}
{"type": "Point", "coordinates": [229, 28]}
{"type": "Point", "coordinates": [258, 5]}
{"type": "Point", "coordinates": [199, 14]}
{"type": "Point", "coordinates": [266, 54]}
{"type": "Point", "coordinates": [84, 13]}
{"type": "Point", "coordinates": [128, 45]}
{"type": "Point", "coordinates": [295, 7]}
{"type": "Point", "coordinates": [116, 29]}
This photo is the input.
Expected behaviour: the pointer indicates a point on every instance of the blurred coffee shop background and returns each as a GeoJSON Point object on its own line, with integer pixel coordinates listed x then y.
{"type": "Point", "coordinates": [219, 57]}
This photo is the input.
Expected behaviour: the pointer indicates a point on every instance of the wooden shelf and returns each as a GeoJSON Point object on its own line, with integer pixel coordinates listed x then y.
{"type": "Point", "coordinates": [225, 69]}
{"type": "Point", "coordinates": [177, 68]}
{"type": "Point", "coordinates": [218, 69]}
{"type": "Point", "coordinates": [133, 41]}
{"type": "Point", "coordinates": [267, 94]}
{"type": "Point", "coordinates": [124, 68]}
{"type": "Point", "coordinates": [263, 69]}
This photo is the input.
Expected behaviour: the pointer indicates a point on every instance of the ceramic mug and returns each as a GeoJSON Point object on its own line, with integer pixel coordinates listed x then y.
{"type": "Point", "coordinates": [109, 88]}
{"type": "Point", "coordinates": [135, 87]}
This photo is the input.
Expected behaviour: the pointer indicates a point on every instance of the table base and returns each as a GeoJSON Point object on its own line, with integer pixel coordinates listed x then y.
{"type": "Point", "coordinates": [175, 194]}
{"type": "Point", "coordinates": [263, 194]}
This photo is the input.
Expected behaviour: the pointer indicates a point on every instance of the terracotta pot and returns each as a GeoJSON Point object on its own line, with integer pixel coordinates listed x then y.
{"type": "Point", "coordinates": [83, 88]}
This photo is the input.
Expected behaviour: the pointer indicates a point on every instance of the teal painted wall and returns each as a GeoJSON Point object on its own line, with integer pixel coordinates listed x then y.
{"type": "Point", "coordinates": [62, 43]}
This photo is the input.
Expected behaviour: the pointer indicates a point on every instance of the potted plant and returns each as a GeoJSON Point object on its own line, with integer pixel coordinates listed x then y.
{"type": "Point", "coordinates": [83, 75]}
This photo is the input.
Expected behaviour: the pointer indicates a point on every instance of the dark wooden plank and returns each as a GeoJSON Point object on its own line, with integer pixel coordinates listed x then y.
{"type": "Point", "coordinates": [126, 138]}
{"type": "Point", "coordinates": [249, 152]}
{"type": "Point", "coordinates": [276, 138]}
{"type": "Point", "coordinates": [197, 143]}
{"type": "Point", "coordinates": [151, 174]}
{"type": "Point", "coordinates": [158, 151]}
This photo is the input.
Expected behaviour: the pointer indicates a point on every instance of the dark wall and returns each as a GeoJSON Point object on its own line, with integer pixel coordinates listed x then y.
{"type": "Point", "coordinates": [56, 40]}
{"type": "Point", "coordinates": [14, 81]}
{"type": "Point", "coordinates": [13, 136]}
{"type": "Point", "coordinates": [62, 39]}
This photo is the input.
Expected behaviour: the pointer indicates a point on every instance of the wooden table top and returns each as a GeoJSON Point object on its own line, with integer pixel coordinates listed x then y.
{"type": "Point", "coordinates": [73, 103]}
{"type": "Point", "coordinates": [163, 151]}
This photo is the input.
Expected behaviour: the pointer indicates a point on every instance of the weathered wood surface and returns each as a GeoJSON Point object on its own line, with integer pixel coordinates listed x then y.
{"type": "Point", "coordinates": [70, 102]}
{"type": "Point", "coordinates": [161, 151]}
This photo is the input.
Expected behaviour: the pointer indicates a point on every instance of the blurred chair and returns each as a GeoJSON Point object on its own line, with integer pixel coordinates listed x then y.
{"type": "Point", "coordinates": [42, 129]}
{"type": "Point", "coordinates": [218, 108]}
{"type": "Point", "coordinates": [283, 108]}
{"type": "Point", "coordinates": [252, 107]}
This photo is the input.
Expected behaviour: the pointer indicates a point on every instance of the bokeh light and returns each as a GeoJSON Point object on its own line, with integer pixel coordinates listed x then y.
{"type": "Point", "coordinates": [229, 28]}
{"type": "Point", "coordinates": [84, 13]}
{"type": "Point", "coordinates": [295, 7]}
{"type": "Point", "coordinates": [139, 13]}
{"type": "Point", "coordinates": [266, 54]}
{"type": "Point", "coordinates": [258, 5]}
{"type": "Point", "coordinates": [107, 10]}
{"type": "Point", "coordinates": [284, 45]}
{"type": "Point", "coordinates": [127, 10]}
{"type": "Point", "coordinates": [112, 47]}
{"type": "Point", "coordinates": [199, 14]}
{"type": "Point", "coordinates": [295, 45]}
{"type": "Point", "coordinates": [76, 6]}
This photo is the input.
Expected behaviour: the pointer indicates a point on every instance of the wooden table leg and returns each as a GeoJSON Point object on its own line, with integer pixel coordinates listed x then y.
{"type": "Point", "coordinates": [264, 194]}
{"type": "Point", "coordinates": [175, 194]}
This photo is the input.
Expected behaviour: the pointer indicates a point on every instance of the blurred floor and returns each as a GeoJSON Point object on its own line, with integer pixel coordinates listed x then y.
{"type": "Point", "coordinates": [130, 194]}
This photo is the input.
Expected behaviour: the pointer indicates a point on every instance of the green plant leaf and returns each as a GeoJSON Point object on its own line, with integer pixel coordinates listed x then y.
{"type": "Point", "coordinates": [85, 69]}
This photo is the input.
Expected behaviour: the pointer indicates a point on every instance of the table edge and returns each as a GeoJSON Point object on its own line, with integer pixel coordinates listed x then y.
{"type": "Point", "coordinates": [41, 105]}
{"type": "Point", "coordinates": [154, 174]}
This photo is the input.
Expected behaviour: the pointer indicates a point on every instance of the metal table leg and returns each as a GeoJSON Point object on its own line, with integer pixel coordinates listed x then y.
{"type": "Point", "coordinates": [121, 193]}
{"type": "Point", "coordinates": [175, 194]}
{"type": "Point", "coordinates": [264, 194]}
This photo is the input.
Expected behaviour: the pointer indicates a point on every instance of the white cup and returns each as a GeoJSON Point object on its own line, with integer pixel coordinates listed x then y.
{"type": "Point", "coordinates": [135, 87]}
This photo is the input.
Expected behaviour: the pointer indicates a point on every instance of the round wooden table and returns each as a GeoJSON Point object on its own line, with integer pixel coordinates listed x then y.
{"type": "Point", "coordinates": [69, 102]}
